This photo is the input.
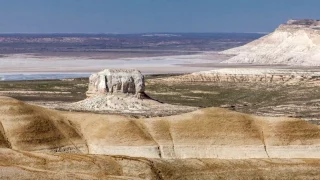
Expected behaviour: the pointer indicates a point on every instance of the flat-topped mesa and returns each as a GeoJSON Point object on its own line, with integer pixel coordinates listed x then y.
{"type": "Point", "coordinates": [304, 22]}
{"type": "Point", "coordinates": [116, 81]}
{"type": "Point", "coordinates": [301, 24]}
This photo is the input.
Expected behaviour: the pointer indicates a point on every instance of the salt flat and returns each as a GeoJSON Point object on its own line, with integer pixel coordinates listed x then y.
{"type": "Point", "coordinates": [28, 63]}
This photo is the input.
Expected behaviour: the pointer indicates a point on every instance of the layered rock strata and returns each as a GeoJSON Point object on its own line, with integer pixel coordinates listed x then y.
{"type": "Point", "coordinates": [263, 75]}
{"type": "Point", "coordinates": [207, 133]}
{"type": "Point", "coordinates": [21, 165]}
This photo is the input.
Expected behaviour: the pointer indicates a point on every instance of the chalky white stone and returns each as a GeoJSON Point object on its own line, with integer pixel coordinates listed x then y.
{"type": "Point", "coordinates": [113, 81]}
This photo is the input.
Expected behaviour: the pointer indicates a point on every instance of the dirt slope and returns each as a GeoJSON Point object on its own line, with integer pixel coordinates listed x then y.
{"type": "Point", "coordinates": [33, 128]}
{"type": "Point", "coordinates": [206, 133]}
{"type": "Point", "coordinates": [26, 165]}
{"type": "Point", "coordinates": [210, 143]}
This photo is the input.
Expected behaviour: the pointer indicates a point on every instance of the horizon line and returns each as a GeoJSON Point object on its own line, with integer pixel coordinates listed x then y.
{"type": "Point", "coordinates": [96, 33]}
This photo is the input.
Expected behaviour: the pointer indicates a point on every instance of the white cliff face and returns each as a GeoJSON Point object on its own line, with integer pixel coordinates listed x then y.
{"type": "Point", "coordinates": [295, 43]}
{"type": "Point", "coordinates": [110, 81]}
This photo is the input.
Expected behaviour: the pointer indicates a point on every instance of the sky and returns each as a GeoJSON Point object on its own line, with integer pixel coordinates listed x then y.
{"type": "Point", "coordinates": [147, 16]}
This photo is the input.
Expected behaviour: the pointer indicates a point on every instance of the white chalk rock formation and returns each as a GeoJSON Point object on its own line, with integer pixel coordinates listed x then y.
{"type": "Point", "coordinates": [111, 81]}
{"type": "Point", "coordinates": [122, 91]}
{"type": "Point", "coordinates": [295, 43]}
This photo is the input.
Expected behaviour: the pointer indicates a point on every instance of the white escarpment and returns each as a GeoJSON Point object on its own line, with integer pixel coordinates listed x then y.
{"type": "Point", "coordinates": [295, 43]}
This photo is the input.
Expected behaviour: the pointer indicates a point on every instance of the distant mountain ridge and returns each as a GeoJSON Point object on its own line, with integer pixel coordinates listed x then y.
{"type": "Point", "coordinates": [295, 43]}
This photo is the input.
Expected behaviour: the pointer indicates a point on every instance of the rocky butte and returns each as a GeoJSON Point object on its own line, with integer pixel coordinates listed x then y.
{"type": "Point", "coordinates": [122, 91]}
{"type": "Point", "coordinates": [295, 43]}
{"type": "Point", "coordinates": [116, 81]}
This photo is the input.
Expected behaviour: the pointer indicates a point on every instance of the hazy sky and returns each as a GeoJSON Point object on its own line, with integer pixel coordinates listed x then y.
{"type": "Point", "coordinates": [133, 16]}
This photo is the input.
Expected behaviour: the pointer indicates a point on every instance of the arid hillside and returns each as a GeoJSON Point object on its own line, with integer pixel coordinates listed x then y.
{"type": "Point", "coordinates": [205, 144]}
{"type": "Point", "coordinates": [205, 133]}
{"type": "Point", "coordinates": [33, 128]}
